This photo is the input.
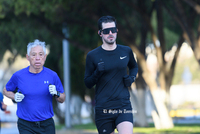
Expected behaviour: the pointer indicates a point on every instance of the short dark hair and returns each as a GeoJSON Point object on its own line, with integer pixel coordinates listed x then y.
{"type": "Point", "coordinates": [106, 19]}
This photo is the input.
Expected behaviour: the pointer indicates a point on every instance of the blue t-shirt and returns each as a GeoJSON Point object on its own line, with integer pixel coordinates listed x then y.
{"type": "Point", "coordinates": [37, 103]}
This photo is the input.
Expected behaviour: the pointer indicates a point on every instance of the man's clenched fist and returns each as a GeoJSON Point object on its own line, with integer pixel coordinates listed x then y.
{"type": "Point", "coordinates": [19, 97]}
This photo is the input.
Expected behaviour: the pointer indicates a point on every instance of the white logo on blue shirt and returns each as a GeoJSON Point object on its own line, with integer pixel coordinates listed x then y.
{"type": "Point", "coordinates": [121, 58]}
{"type": "Point", "coordinates": [46, 82]}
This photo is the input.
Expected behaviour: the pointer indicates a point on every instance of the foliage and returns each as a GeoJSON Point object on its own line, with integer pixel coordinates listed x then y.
{"type": "Point", "coordinates": [22, 21]}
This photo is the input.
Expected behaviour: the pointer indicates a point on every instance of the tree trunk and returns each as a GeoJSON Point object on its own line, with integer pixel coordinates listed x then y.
{"type": "Point", "coordinates": [139, 107]}
{"type": "Point", "coordinates": [165, 121]}
{"type": "Point", "coordinates": [142, 118]}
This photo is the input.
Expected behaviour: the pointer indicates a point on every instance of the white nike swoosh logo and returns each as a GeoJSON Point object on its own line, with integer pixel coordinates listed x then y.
{"type": "Point", "coordinates": [123, 57]}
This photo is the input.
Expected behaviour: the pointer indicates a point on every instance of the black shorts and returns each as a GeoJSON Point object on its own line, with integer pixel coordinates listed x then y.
{"type": "Point", "coordinates": [107, 119]}
{"type": "Point", "coordinates": [41, 127]}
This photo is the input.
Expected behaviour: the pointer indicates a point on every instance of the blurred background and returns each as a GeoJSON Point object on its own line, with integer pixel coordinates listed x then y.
{"type": "Point", "coordinates": [164, 37]}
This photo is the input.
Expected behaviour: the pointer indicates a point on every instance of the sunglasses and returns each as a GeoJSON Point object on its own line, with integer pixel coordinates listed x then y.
{"type": "Point", "coordinates": [107, 30]}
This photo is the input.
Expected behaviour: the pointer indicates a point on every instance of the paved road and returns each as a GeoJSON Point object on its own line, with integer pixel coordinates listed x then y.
{"type": "Point", "coordinates": [11, 128]}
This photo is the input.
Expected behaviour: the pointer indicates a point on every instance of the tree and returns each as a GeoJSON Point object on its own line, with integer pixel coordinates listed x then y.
{"type": "Point", "coordinates": [140, 22]}
{"type": "Point", "coordinates": [186, 14]}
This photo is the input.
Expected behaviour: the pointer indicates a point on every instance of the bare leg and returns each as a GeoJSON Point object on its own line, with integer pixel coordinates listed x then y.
{"type": "Point", "coordinates": [125, 128]}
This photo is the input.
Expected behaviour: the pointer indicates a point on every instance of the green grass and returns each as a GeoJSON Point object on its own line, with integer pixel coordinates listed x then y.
{"type": "Point", "coordinates": [195, 129]}
{"type": "Point", "coordinates": [178, 129]}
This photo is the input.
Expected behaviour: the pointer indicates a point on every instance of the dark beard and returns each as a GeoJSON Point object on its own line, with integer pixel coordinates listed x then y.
{"type": "Point", "coordinates": [110, 42]}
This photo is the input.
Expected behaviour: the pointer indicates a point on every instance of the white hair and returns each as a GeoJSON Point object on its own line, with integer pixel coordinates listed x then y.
{"type": "Point", "coordinates": [34, 44]}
